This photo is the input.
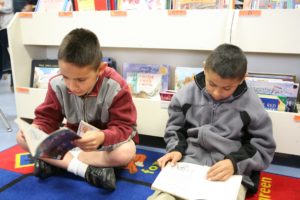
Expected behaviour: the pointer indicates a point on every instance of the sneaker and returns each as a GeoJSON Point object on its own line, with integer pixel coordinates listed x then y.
{"type": "Point", "coordinates": [44, 170]}
{"type": "Point", "coordinates": [101, 177]}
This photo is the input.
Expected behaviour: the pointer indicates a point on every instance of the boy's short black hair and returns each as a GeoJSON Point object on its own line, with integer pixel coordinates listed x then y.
{"type": "Point", "coordinates": [81, 47]}
{"type": "Point", "coordinates": [228, 61]}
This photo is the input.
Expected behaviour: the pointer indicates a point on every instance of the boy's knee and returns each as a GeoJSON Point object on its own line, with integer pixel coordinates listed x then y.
{"type": "Point", "coordinates": [124, 154]}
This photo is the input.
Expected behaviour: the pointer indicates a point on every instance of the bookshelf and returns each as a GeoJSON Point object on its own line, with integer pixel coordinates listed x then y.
{"type": "Point", "coordinates": [157, 37]}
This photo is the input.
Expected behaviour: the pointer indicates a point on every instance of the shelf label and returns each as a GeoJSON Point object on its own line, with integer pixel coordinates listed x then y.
{"type": "Point", "coordinates": [65, 14]}
{"type": "Point", "coordinates": [118, 13]}
{"type": "Point", "coordinates": [25, 14]}
{"type": "Point", "coordinates": [22, 90]}
{"type": "Point", "coordinates": [297, 118]}
{"type": "Point", "coordinates": [176, 12]}
{"type": "Point", "coordinates": [250, 13]}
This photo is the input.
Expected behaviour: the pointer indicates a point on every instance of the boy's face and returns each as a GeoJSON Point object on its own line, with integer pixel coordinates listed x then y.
{"type": "Point", "coordinates": [218, 87]}
{"type": "Point", "coordinates": [79, 80]}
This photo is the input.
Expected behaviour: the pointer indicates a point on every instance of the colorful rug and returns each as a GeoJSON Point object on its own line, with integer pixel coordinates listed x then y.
{"type": "Point", "coordinates": [17, 160]}
{"type": "Point", "coordinates": [134, 181]}
{"type": "Point", "coordinates": [277, 187]}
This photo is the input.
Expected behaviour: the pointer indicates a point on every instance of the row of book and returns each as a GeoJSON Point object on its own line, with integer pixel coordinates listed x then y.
{"type": "Point", "coordinates": [153, 81]}
{"type": "Point", "coordinates": [277, 91]}
{"type": "Point", "coordinates": [93, 5]}
{"type": "Point", "coordinates": [271, 4]}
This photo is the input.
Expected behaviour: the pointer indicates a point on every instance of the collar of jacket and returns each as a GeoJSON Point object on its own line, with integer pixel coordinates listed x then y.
{"type": "Point", "coordinates": [200, 82]}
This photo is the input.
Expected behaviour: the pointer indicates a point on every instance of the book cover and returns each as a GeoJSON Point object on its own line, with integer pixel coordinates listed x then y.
{"type": "Point", "coordinates": [272, 102]}
{"type": "Point", "coordinates": [42, 71]}
{"type": "Point", "coordinates": [188, 181]}
{"type": "Point", "coordinates": [51, 5]}
{"type": "Point", "coordinates": [43, 145]}
{"type": "Point", "coordinates": [268, 4]}
{"type": "Point", "coordinates": [146, 80]}
{"type": "Point", "coordinates": [273, 86]}
{"type": "Point", "coordinates": [201, 4]}
{"type": "Point", "coordinates": [142, 5]}
{"type": "Point", "coordinates": [279, 103]}
{"type": "Point", "coordinates": [90, 5]}
{"type": "Point", "coordinates": [283, 77]}
{"type": "Point", "coordinates": [185, 75]}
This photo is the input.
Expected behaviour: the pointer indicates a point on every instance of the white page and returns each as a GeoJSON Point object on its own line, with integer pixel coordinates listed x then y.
{"type": "Point", "coordinates": [188, 181]}
{"type": "Point", "coordinates": [33, 136]}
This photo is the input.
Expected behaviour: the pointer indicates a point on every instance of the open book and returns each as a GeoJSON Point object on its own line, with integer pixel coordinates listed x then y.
{"type": "Point", "coordinates": [188, 181]}
{"type": "Point", "coordinates": [54, 145]}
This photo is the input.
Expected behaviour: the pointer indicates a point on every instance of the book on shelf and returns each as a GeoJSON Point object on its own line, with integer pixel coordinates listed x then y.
{"type": "Point", "coordinates": [188, 181]}
{"type": "Point", "coordinates": [279, 103]}
{"type": "Point", "coordinates": [110, 62]}
{"type": "Point", "coordinates": [296, 4]}
{"type": "Point", "coordinates": [273, 86]}
{"type": "Point", "coordinates": [43, 145]}
{"type": "Point", "coordinates": [91, 5]}
{"type": "Point", "coordinates": [143, 5]}
{"type": "Point", "coordinates": [269, 4]}
{"type": "Point", "coordinates": [42, 71]}
{"type": "Point", "coordinates": [185, 75]}
{"type": "Point", "coordinates": [53, 5]}
{"type": "Point", "coordinates": [146, 80]}
{"type": "Point", "coordinates": [202, 4]}
{"type": "Point", "coordinates": [283, 77]}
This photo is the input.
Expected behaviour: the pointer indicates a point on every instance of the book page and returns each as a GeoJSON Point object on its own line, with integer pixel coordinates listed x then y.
{"type": "Point", "coordinates": [33, 135]}
{"type": "Point", "coordinates": [84, 127]}
{"type": "Point", "coordinates": [188, 181]}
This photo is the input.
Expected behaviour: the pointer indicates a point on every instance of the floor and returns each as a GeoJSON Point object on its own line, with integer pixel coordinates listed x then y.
{"type": "Point", "coordinates": [288, 165]}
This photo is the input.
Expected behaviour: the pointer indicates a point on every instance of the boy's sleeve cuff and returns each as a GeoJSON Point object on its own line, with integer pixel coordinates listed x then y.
{"type": "Point", "coordinates": [233, 162]}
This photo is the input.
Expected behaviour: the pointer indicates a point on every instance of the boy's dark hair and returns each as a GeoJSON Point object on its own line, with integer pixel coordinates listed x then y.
{"type": "Point", "coordinates": [228, 61]}
{"type": "Point", "coordinates": [81, 47]}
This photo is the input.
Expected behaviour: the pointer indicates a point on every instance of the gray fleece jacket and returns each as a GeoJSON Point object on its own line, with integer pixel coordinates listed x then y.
{"type": "Point", "coordinates": [207, 131]}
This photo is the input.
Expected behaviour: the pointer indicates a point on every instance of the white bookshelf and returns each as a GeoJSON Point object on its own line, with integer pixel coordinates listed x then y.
{"type": "Point", "coordinates": [153, 37]}
{"type": "Point", "coordinates": [274, 31]}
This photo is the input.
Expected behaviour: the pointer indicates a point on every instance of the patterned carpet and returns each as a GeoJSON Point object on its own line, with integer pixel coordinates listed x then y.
{"type": "Point", "coordinates": [133, 182]}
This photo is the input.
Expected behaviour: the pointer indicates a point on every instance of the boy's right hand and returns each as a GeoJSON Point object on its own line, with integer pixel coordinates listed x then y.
{"type": "Point", "coordinates": [172, 157]}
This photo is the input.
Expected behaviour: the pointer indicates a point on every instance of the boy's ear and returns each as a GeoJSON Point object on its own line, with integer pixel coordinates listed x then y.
{"type": "Point", "coordinates": [102, 67]}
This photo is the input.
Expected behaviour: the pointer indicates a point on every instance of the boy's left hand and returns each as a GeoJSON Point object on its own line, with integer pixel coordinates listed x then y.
{"type": "Point", "coordinates": [220, 171]}
{"type": "Point", "coordinates": [90, 140]}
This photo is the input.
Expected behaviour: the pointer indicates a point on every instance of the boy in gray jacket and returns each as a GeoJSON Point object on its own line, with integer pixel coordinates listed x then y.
{"type": "Point", "coordinates": [218, 121]}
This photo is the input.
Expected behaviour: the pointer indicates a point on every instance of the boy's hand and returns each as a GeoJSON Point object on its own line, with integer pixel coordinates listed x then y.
{"type": "Point", "coordinates": [220, 171]}
{"type": "Point", "coordinates": [90, 141]}
{"type": "Point", "coordinates": [20, 136]}
{"type": "Point", "coordinates": [173, 157]}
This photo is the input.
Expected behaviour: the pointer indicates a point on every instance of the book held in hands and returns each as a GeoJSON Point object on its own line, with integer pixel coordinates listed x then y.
{"type": "Point", "coordinates": [54, 145]}
{"type": "Point", "coordinates": [188, 181]}
{"type": "Point", "coordinates": [43, 145]}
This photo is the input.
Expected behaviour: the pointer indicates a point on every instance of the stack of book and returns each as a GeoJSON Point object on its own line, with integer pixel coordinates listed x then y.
{"type": "Point", "coordinates": [277, 92]}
